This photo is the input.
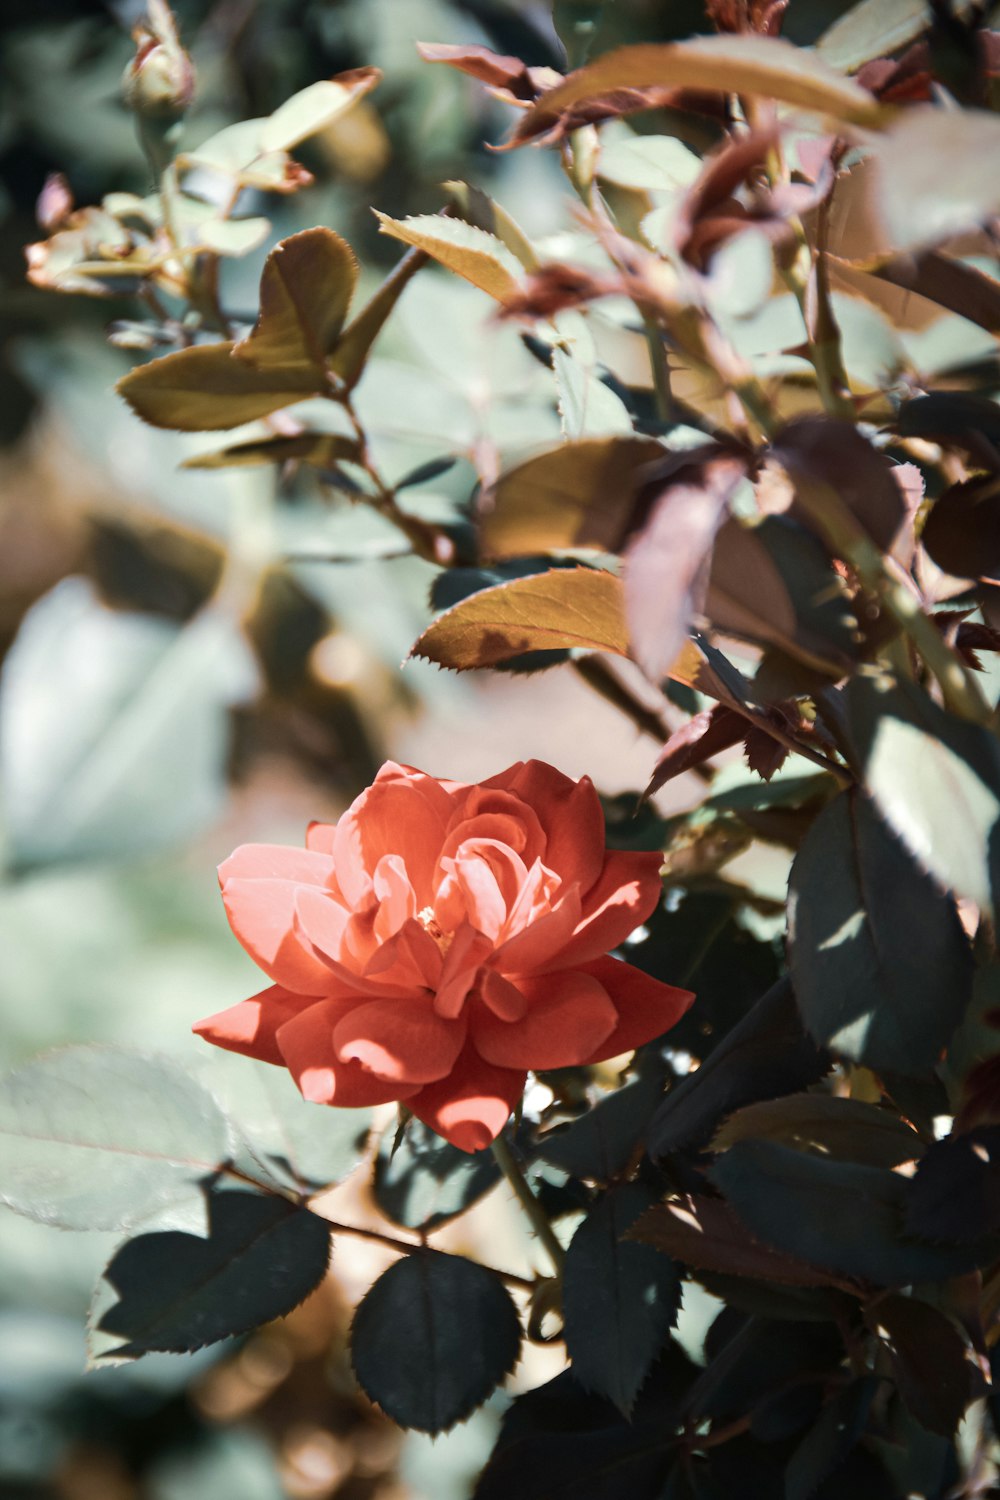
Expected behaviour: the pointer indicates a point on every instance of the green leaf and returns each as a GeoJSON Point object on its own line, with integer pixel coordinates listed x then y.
{"type": "Point", "coordinates": [844, 1129]}
{"type": "Point", "coordinates": [423, 1181]}
{"type": "Point", "coordinates": [956, 1190]}
{"type": "Point", "coordinates": [206, 389]}
{"type": "Point", "coordinates": [649, 163]}
{"type": "Point", "coordinates": [934, 777]}
{"type": "Point", "coordinates": [314, 108]}
{"type": "Point", "coordinates": [100, 1138]}
{"type": "Point", "coordinates": [838, 1215]}
{"type": "Point", "coordinates": [177, 1292]}
{"type": "Point", "coordinates": [931, 183]}
{"type": "Point", "coordinates": [880, 962]}
{"type": "Point", "coordinates": [560, 609]}
{"type": "Point", "coordinates": [875, 28]}
{"type": "Point", "coordinates": [320, 450]}
{"type": "Point", "coordinates": [602, 1142]}
{"type": "Point", "coordinates": [471, 253]}
{"type": "Point", "coordinates": [433, 1338]}
{"type": "Point", "coordinates": [757, 65]}
{"type": "Point", "coordinates": [825, 1447]}
{"type": "Point", "coordinates": [580, 494]}
{"type": "Point", "coordinates": [305, 291]}
{"type": "Point", "coordinates": [300, 1147]}
{"type": "Point", "coordinates": [620, 1298]}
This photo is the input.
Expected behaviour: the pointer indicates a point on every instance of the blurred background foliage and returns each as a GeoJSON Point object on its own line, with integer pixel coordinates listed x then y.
{"type": "Point", "coordinates": [162, 748]}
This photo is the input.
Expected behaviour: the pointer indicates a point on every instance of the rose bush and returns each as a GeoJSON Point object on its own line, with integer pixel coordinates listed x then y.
{"type": "Point", "coordinates": [440, 940]}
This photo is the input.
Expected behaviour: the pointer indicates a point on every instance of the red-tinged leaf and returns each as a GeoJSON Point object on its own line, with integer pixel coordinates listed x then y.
{"type": "Point", "coordinates": [204, 389]}
{"type": "Point", "coordinates": [755, 65]}
{"type": "Point", "coordinates": [507, 75]}
{"type": "Point", "coordinates": [764, 753]}
{"type": "Point", "coordinates": [581, 494]}
{"type": "Point", "coordinates": [706, 1234]}
{"type": "Point", "coordinates": [667, 561]}
{"type": "Point", "coordinates": [933, 1368]}
{"type": "Point", "coordinates": [305, 291]}
{"type": "Point", "coordinates": [974, 637]}
{"type": "Point", "coordinates": [706, 734]}
{"type": "Point", "coordinates": [962, 532]}
{"type": "Point", "coordinates": [950, 283]}
{"type": "Point", "coordinates": [901, 80]}
{"type": "Point", "coordinates": [563, 608]}
{"type": "Point", "coordinates": [821, 455]}
{"type": "Point", "coordinates": [554, 287]}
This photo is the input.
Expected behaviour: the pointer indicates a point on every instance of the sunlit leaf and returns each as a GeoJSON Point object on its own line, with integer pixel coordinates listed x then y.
{"type": "Point", "coordinates": [471, 253]}
{"type": "Point", "coordinates": [206, 389]}
{"type": "Point", "coordinates": [314, 108]}
{"type": "Point", "coordinates": [305, 291]}
{"type": "Point", "coordinates": [931, 183]}
{"type": "Point", "coordinates": [560, 609]}
{"type": "Point", "coordinates": [875, 28]}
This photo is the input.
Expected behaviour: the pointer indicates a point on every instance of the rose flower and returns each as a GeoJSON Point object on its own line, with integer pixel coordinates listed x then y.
{"type": "Point", "coordinates": [440, 940]}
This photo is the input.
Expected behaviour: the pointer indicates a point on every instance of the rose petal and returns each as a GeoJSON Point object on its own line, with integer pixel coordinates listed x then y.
{"type": "Point", "coordinates": [250, 1027]}
{"type": "Point", "coordinates": [306, 1044]}
{"type": "Point", "coordinates": [568, 1015]}
{"type": "Point", "coordinates": [404, 1041]}
{"type": "Point", "coordinates": [319, 836]}
{"type": "Point", "coordinates": [403, 812]}
{"type": "Point", "coordinates": [569, 812]}
{"type": "Point", "coordinates": [409, 958]}
{"type": "Point", "coordinates": [276, 862]}
{"type": "Point", "coordinates": [468, 950]}
{"type": "Point", "coordinates": [628, 891]}
{"type": "Point", "coordinates": [503, 998]}
{"type": "Point", "coordinates": [646, 1007]}
{"type": "Point", "coordinates": [262, 915]}
{"type": "Point", "coordinates": [394, 893]}
{"type": "Point", "coordinates": [317, 923]}
{"type": "Point", "coordinates": [471, 1106]}
{"type": "Point", "coordinates": [542, 942]}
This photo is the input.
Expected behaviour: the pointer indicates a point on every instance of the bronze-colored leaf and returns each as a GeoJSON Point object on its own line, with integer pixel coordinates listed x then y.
{"type": "Point", "coordinates": [563, 608]}
{"type": "Point", "coordinates": [321, 450]}
{"type": "Point", "coordinates": [706, 1234]}
{"type": "Point", "coordinates": [204, 389]}
{"type": "Point", "coordinates": [305, 290]}
{"type": "Point", "coordinates": [471, 253]}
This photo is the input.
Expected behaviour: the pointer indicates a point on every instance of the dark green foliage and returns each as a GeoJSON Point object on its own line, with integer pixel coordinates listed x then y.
{"type": "Point", "coordinates": [422, 1181]}
{"type": "Point", "coordinates": [432, 1339]}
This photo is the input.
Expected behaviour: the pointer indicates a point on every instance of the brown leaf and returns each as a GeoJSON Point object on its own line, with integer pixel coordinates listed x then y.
{"type": "Point", "coordinates": [901, 80]}
{"type": "Point", "coordinates": [305, 291]}
{"type": "Point", "coordinates": [580, 494]}
{"type": "Point", "coordinates": [755, 65]}
{"type": "Point", "coordinates": [823, 454]}
{"type": "Point", "coordinates": [949, 283]}
{"type": "Point", "coordinates": [935, 1376]}
{"type": "Point", "coordinates": [740, 16]}
{"type": "Point", "coordinates": [554, 287]}
{"type": "Point", "coordinates": [507, 76]}
{"type": "Point", "coordinates": [706, 1234]}
{"type": "Point", "coordinates": [321, 450]}
{"type": "Point", "coordinates": [962, 532]}
{"type": "Point", "coordinates": [667, 561]}
{"type": "Point", "coordinates": [764, 753]}
{"type": "Point", "coordinates": [563, 608]}
{"type": "Point", "coordinates": [706, 734]}
{"type": "Point", "coordinates": [204, 389]}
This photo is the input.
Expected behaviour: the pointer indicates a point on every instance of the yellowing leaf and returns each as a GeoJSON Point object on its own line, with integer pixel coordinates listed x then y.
{"type": "Point", "coordinates": [204, 389]}
{"type": "Point", "coordinates": [321, 450]}
{"type": "Point", "coordinates": [764, 66]}
{"type": "Point", "coordinates": [561, 609]}
{"type": "Point", "coordinates": [472, 253]}
{"type": "Point", "coordinates": [305, 291]}
{"type": "Point", "coordinates": [315, 107]}
{"type": "Point", "coordinates": [577, 495]}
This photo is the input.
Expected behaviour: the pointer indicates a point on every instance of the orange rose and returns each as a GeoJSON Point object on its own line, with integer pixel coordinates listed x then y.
{"type": "Point", "coordinates": [439, 941]}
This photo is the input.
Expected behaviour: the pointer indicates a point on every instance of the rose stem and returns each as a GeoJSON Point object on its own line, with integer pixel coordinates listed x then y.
{"type": "Point", "coordinates": [533, 1209]}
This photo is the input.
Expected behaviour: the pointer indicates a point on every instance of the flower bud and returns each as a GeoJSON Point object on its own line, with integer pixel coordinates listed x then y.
{"type": "Point", "coordinates": [159, 82]}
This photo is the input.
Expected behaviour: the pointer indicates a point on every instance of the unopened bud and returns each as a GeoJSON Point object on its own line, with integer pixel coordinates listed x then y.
{"type": "Point", "coordinates": [159, 82]}
{"type": "Point", "coordinates": [55, 203]}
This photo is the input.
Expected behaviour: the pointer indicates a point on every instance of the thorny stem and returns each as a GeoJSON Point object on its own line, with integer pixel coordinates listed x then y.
{"type": "Point", "coordinates": [533, 1210]}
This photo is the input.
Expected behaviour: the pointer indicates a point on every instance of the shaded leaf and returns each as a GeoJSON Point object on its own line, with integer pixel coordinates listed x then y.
{"type": "Point", "coordinates": [177, 1292]}
{"type": "Point", "coordinates": [838, 1215]}
{"type": "Point", "coordinates": [956, 1190]}
{"type": "Point", "coordinates": [305, 290]}
{"type": "Point", "coordinates": [934, 777]}
{"type": "Point", "coordinates": [880, 962]}
{"type": "Point", "coordinates": [471, 253]}
{"type": "Point", "coordinates": [602, 1142]}
{"type": "Point", "coordinates": [845, 1129]}
{"type": "Point", "coordinates": [818, 453]}
{"type": "Point", "coordinates": [765, 1055]}
{"type": "Point", "coordinates": [733, 64]}
{"type": "Point", "coordinates": [949, 282]}
{"type": "Point", "coordinates": [667, 561]}
{"type": "Point", "coordinates": [560, 609]}
{"type": "Point", "coordinates": [321, 450]}
{"type": "Point", "coordinates": [707, 734]}
{"type": "Point", "coordinates": [580, 494]}
{"type": "Point", "coordinates": [707, 1235]}
{"type": "Point", "coordinates": [748, 1367]}
{"type": "Point", "coordinates": [433, 1338]}
{"type": "Point", "coordinates": [423, 1181]}
{"type": "Point", "coordinates": [620, 1298]}
{"type": "Point", "coordinates": [99, 1138]}
{"type": "Point", "coordinates": [935, 1377]}
{"type": "Point", "coordinates": [826, 1446]}
{"type": "Point", "coordinates": [205, 389]}
{"type": "Point", "coordinates": [962, 532]}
